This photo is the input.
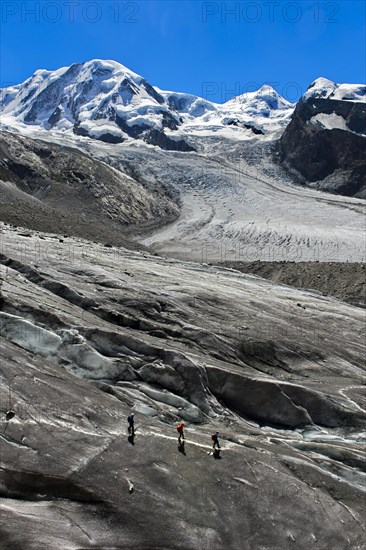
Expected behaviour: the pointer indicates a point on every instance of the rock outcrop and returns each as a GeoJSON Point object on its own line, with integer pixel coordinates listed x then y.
{"type": "Point", "coordinates": [325, 143]}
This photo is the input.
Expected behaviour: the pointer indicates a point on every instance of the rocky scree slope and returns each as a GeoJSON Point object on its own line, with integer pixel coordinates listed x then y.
{"type": "Point", "coordinates": [344, 280]}
{"type": "Point", "coordinates": [46, 186]}
{"type": "Point", "coordinates": [88, 333]}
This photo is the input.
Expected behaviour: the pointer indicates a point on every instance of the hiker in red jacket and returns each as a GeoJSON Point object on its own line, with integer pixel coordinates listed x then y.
{"type": "Point", "coordinates": [180, 431]}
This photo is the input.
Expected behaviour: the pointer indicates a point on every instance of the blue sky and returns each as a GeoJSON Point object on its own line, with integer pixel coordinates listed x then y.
{"type": "Point", "coordinates": [210, 48]}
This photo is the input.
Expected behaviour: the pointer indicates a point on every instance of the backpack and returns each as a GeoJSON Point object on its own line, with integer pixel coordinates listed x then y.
{"type": "Point", "coordinates": [213, 437]}
{"type": "Point", "coordinates": [130, 419]}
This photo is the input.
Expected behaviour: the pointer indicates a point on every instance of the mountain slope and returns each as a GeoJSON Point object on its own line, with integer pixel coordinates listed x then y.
{"type": "Point", "coordinates": [326, 139]}
{"type": "Point", "coordinates": [46, 186]}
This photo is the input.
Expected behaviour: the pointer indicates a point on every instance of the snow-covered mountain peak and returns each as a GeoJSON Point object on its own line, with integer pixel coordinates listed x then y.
{"type": "Point", "coordinates": [96, 98]}
{"type": "Point", "coordinates": [105, 100]}
{"type": "Point", "coordinates": [105, 69]}
{"type": "Point", "coordinates": [265, 102]}
{"type": "Point", "coordinates": [322, 82]}
{"type": "Point", "coordinates": [109, 65]}
{"type": "Point", "coordinates": [323, 88]}
{"type": "Point", "coordinates": [81, 86]}
{"type": "Point", "coordinates": [320, 88]}
{"type": "Point", "coordinates": [264, 91]}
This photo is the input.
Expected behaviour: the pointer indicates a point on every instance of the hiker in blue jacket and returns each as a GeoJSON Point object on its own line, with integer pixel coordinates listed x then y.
{"type": "Point", "coordinates": [215, 439]}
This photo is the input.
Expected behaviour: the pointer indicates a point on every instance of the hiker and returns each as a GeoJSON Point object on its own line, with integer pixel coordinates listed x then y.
{"type": "Point", "coordinates": [215, 439]}
{"type": "Point", "coordinates": [131, 424]}
{"type": "Point", "coordinates": [180, 431]}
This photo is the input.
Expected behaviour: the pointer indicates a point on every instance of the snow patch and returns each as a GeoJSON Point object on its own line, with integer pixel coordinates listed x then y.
{"type": "Point", "coordinates": [329, 122]}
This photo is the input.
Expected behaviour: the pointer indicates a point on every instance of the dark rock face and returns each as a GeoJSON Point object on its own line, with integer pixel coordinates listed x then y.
{"type": "Point", "coordinates": [156, 137]}
{"type": "Point", "coordinates": [170, 121]}
{"type": "Point", "coordinates": [254, 129]}
{"type": "Point", "coordinates": [134, 131]}
{"type": "Point", "coordinates": [151, 91]}
{"type": "Point", "coordinates": [87, 335]}
{"type": "Point", "coordinates": [110, 138]}
{"type": "Point", "coordinates": [236, 122]}
{"type": "Point", "coordinates": [138, 130]}
{"type": "Point", "coordinates": [55, 117]}
{"type": "Point", "coordinates": [334, 158]}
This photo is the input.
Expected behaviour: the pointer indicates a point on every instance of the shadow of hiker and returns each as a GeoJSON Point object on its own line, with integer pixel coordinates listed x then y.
{"type": "Point", "coordinates": [181, 447]}
{"type": "Point", "coordinates": [131, 439]}
{"type": "Point", "coordinates": [216, 454]}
